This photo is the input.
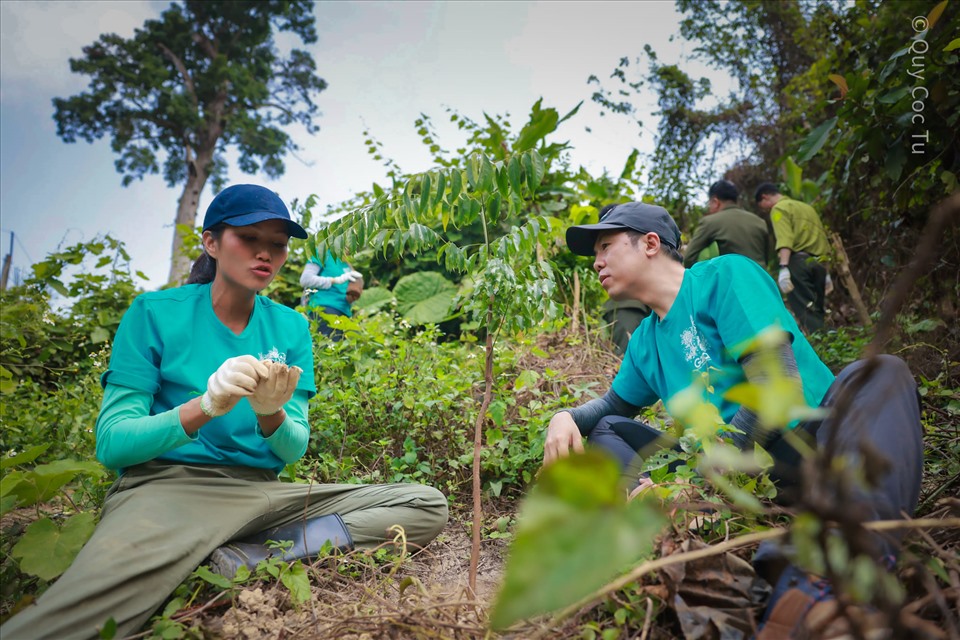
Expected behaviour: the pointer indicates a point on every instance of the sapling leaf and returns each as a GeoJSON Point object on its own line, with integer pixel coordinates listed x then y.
{"type": "Point", "coordinates": [575, 532]}
{"type": "Point", "coordinates": [46, 550]}
{"type": "Point", "coordinates": [295, 579]}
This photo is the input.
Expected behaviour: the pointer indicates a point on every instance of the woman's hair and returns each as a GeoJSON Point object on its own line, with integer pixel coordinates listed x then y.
{"type": "Point", "coordinates": [204, 269]}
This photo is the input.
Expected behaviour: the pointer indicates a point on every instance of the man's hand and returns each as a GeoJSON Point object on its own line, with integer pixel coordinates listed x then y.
{"type": "Point", "coordinates": [275, 388]}
{"type": "Point", "coordinates": [562, 434]}
{"type": "Point", "coordinates": [234, 379]}
{"type": "Point", "coordinates": [645, 483]}
{"type": "Point", "coordinates": [784, 281]}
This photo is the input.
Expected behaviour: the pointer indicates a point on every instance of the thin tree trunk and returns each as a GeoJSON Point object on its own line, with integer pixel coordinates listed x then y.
{"type": "Point", "coordinates": [186, 215]}
{"type": "Point", "coordinates": [846, 277]}
{"type": "Point", "coordinates": [477, 443]}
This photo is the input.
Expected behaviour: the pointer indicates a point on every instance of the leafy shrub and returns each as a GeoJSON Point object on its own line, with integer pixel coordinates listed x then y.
{"type": "Point", "coordinates": [40, 343]}
{"type": "Point", "coordinates": [396, 404]}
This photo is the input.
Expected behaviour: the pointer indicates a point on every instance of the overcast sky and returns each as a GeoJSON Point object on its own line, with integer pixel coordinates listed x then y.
{"type": "Point", "coordinates": [385, 63]}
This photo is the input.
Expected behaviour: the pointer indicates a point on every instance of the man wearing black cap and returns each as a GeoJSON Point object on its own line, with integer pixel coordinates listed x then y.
{"type": "Point", "coordinates": [704, 336]}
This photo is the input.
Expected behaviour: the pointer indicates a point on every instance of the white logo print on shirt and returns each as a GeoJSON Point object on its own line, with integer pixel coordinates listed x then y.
{"type": "Point", "coordinates": [694, 346]}
{"type": "Point", "coordinates": [275, 355]}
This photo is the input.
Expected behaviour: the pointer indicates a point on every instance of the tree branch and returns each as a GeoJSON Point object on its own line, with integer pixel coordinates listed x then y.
{"type": "Point", "coordinates": [178, 63]}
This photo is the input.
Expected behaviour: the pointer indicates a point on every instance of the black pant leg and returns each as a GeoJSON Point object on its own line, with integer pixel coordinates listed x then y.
{"type": "Point", "coordinates": [809, 279]}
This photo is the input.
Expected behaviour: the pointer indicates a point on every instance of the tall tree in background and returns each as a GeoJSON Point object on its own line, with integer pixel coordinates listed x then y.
{"type": "Point", "coordinates": [205, 77]}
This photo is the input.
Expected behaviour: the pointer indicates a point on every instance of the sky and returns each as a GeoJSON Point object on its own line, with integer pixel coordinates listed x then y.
{"type": "Point", "coordinates": [384, 62]}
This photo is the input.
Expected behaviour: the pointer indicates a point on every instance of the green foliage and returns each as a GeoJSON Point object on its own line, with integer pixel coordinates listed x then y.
{"type": "Point", "coordinates": [390, 406]}
{"type": "Point", "coordinates": [841, 346]}
{"type": "Point", "coordinates": [40, 344]}
{"type": "Point", "coordinates": [425, 297]}
{"type": "Point", "coordinates": [47, 550]}
{"type": "Point", "coordinates": [576, 532]}
{"type": "Point", "coordinates": [898, 104]}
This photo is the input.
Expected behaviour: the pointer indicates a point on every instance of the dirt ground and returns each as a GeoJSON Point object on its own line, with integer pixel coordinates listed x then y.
{"type": "Point", "coordinates": [427, 595]}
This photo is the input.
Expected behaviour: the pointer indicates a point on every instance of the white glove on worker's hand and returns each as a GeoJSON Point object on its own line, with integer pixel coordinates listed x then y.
{"type": "Point", "coordinates": [348, 276]}
{"type": "Point", "coordinates": [236, 378]}
{"type": "Point", "coordinates": [828, 285]}
{"type": "Point", "coordinates": [275, 389]}
{"type": "Point", "coordinates": [786, 284]}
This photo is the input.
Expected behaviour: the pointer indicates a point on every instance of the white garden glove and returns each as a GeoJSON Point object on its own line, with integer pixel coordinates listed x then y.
{"type": "Point", "coordinates": [311, 278]}
{"type": "Point", "coordinates": [786, 284]}
{"type": "Point", "coordinates": [348, 276]}
{"type": "Point", "coordinates": [828, 285]}
{"type": "Point", "coordinates": [236, 378]}
{"type": "Point", "coordinates": [275, 389]}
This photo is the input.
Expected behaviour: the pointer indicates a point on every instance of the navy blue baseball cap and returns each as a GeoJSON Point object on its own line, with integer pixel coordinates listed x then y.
{"type": "Point", "coordinates": [246, 204]}
{"type": "Point", "coordinates": [638, 216]}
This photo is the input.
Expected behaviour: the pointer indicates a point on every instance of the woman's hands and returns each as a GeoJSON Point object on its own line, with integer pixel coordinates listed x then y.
{"type": "Point", "coordinates": [269, 385]}
{"type": "Point", "coordinates": [275, 388]}
{"type": "Point", "coordinates": [234, 379]}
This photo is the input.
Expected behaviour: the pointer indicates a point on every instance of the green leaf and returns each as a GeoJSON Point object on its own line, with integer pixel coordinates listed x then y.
{"type": "Point", "coordinates": [487, 175]}
{"type": "Point", "coordinates": [109, 629]}
{"type": "Point", "coordinates": [99, 335]}
{"type": "Point", "coordinates": [895, 95]}
{"type": "Point", "coordinates": [527, 378]}
{"type": "Point", "coordinates": [441, 188]}
{"type": "Point", "coordinates": [895, 160]}
{"type": "Point", "coordinates": [542, 123]}
{"type": "Point", "coordinates": [456, 183]}
{"type": "Point", "coordinates": [296, 581]}
{"type": "Point", "coordinates": [575, 533]}
{"type": "Point", "coordinates": [794, 177]}
{"type": "Point", "coordinates": [424, 193]}
{"type": "Point", "coordinates": [816, 140]}
{"type": "Point", "coordinates": [539, 168]}
{"type": "Point", "coordinates": [373, 299]}
{"type": "Point", "coordinates": [59, 287]}
{"type": "Point", "coordinates": [24, 457]}
{"type": "Point", "coordinates": [513, 174]}
{"type": "Point", "coordinates": [954, 44]}
{"type": "Point", "coordinates": [424, 297]}
{"type": "Point", "coordinates": [929, 324]}
{"type": "Point", "coordinates": [8, 504]}
{"type": "Point", "coordinates": [497, 412]}
{"type": "Point", "coordinates": [210, 577]}
{"type": "Point", "coordinates": [493, 208]}
{"type": "Point", "coordinates": [46, 550]}
{"type": "Point", "coordinates": [531, 173]}
{"type": "Point", "coordinates": [44, 481]}
{"type": "Point", "coordinates": [935, 14]}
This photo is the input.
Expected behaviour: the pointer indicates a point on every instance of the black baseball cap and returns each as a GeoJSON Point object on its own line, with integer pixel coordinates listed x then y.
{"type": "Point", "coordinates": [638, 216]}
{"type": "Point", "coordinates": [246, 204]}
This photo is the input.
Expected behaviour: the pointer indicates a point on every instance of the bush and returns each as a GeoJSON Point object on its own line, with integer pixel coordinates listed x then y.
{"type": "Point", "coordinates": [396, 404]}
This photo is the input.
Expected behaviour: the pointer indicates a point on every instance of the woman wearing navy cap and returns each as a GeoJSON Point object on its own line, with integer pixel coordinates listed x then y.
{"type": "Point", "coordinates": [205, 401]}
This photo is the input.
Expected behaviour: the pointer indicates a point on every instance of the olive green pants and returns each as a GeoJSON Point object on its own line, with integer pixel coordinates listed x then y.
{"type": "Point", "coordinates": [160, 521]}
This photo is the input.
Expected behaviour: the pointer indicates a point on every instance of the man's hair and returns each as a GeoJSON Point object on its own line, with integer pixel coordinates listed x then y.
{"type": "Point", "coordinates": [666, 248]}
{"type": "Point", "coordinates": [724, 191]}
{"type": "Point", "coordinates": [765, 189]}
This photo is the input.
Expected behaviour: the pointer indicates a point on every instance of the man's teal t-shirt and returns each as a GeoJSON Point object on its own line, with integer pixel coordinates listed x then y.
{"type": "Point", "coordinates": [722, 305]}
{"type": "Point", "coordinates": [170, 342]}
{"type": "Point", "coordinates": [336, 296]}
